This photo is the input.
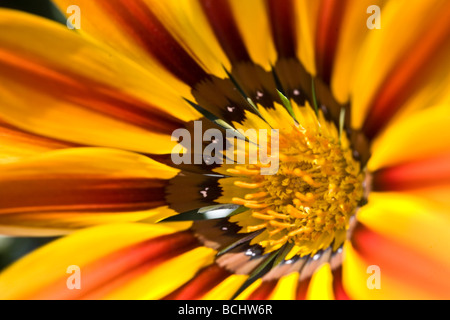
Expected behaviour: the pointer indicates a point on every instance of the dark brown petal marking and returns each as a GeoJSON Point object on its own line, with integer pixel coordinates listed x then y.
{"type": "Point", "coordinates": [60, 193]}
{"type": "Point", "coordinates": [328, 27]}
{"type": "Point", "coordinates": [217, 233]}
{"type": "Point", "coordinates": [295, 80]}
{"type": "Point", "coordinates": [118, 268]}
{"type": "Point", "coordinates": [222, 21]}
{"type": "Point", "coordinates": [221, 98]}
{"type": "Point", "coordinates": [282, 22]}
{"type": "Point", "coordinates": [145, 28]}
{"type": "Point", "coordinates": [258, 84]}
{"type": "Point", "coordinates": [188, 191]}
{"type": "Point", "coordinates": [205, 280]}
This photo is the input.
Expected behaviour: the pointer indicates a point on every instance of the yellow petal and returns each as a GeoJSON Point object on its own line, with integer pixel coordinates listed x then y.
{"type": "Point", "coordinates": [251, 18]}
{"type": "Point", "coordinates": [74, 188]}
{"type": "Point", "coordinates": [87, 94]}
{"type": "Point", "coordinates": [286, 288]}
{"type": "Point", "coordinates": [422, 134]}
{"type": "Point", "coordinates": [16, 144]}
{"type": "Point", "coordinates": [227, 288]}
{"type": "Point", "coordinates": [387, 47]}
{"type": "Point", "coordinates": [244, 295]}
{"type": "Point", "coordinates": [306, 13]}
{"type": "Point", "coordinates": [321, 285]}
{"type": "Point", "coordinates": [166, 277]}
{"type": "Point", "coordinates": [418, 224]}
{"type": "Point", "coordinates": [30, 276]}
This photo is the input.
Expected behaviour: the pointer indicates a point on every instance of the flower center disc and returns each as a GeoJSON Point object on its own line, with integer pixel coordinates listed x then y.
{"type": "Point", "coordinates": [309, 201]}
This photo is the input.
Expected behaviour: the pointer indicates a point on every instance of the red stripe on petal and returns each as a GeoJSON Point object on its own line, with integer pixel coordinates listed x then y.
{"type": "Point", "coordinates": [414, 175]}
{"type": "Point", "coordinates": [328, 27]}
{"type": "Point", "coordinates": [281, 15]}
{"type": "Point", "coordinates": [401, 262]}
{"type": "Point", "coordinates": [408, 74]}
{"type": "Point", "coordinates": [147, 30]}
{"type": "Point", "coordinates": [222, 21]}
{"type": "Point", "coordinates": [11, 132]}
{"type": "Point", "coordinates": [263, 291]}
{"type": "Point", "coordinates": [302, 289]}
{"type": "Point", "coordinates": [64, 194]}
{"type": "Point", "coordinates": [338, 288]}
{"type": "Point", "coordinates": [202, 283]}
{"type": "Point", "coordinates": [116, 269]}
{"type": "Point", "coordinates": [86, 93]}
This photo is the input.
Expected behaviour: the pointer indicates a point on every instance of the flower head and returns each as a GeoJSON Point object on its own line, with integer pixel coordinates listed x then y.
{"type": "Point", "coordinates": [356, 117]}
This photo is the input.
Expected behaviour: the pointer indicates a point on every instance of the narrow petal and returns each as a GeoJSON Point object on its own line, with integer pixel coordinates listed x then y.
{"type": "Point", "coordinates": [306, 24]}
{"type": "Point", "coordinates": [73, 188]}
{"type": "Point", "coordinates": [227, 288]}
{"type": "Point", "coordinates": [87, 94]}
{"type": "Point", "coordinates": [352, 34]}
{"type": "Point", "coordinates": [251, 19]}
{"type": "Point", "coordinates": [43, 274]}
{"type": "Point", "coordinates": [320, 287]}
{"type": "Point", "coordinates": [286, 288]}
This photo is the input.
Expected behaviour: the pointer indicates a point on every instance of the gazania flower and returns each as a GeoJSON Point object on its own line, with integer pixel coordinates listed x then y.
{"type": "Point", "coordinates": [358, 208]}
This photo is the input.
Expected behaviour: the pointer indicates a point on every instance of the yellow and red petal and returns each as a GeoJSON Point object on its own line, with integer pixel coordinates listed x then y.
{"type": "Point", "coordinates": [406, 238]}
{"type": "Point", "coordinates": [403, 272]}
{"type": "Point", "coordinates": [210, 283]}
{"type": "Point", "coordinates": [16, 144]}
{"type": "Point", "coordinates": [416, 223]}
{"type": "Point", "coordinates": [74, 188]}
{"type": "Point", "coordinates": [171, 38]}
{"type": "Point", "coordinates": [390, 68]}
{"type": "Point", "coordinates": [350, 38]}
{"type": "Point", "coordinates": [421, 135]}
{"type": "Point", "coordinates": [86, 93]}
{"type": "Point", "coordinates": [119, 261]}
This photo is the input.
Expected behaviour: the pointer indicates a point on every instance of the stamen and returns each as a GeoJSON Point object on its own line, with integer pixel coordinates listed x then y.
{"type": "Point", "coordinates": [316, 190]}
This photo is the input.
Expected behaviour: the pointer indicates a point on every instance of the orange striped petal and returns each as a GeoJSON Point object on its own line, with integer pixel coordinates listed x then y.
{"type": "Point", "coordinates": [16, 144]}
{"type": "Point", "coordinates": [86, 93]}
{"type": "Point", "coordinates": [161, 35]}
{"type": "Point", "coordinates": [402, 272]}
{"type": "Point", "coordinates": [397, 60]}
{"type": "Point", "coordinates": [74, 188]}
{"type": "Point", "coordinates": [123, 255]}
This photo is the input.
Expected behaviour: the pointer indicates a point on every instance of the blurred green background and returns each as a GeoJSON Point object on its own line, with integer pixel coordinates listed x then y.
{"type": "Point", "coordinates": [12, 248]}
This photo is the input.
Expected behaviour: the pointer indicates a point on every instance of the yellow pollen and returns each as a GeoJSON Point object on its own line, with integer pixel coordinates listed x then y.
{"type": "Point", "coordinates": [314, 193]}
